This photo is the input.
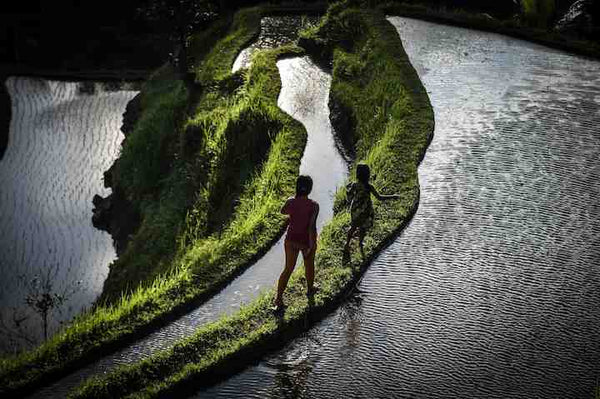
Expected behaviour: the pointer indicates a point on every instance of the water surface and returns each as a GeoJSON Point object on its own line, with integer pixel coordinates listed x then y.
{"type": "Point", "coordinates": [63, 136]}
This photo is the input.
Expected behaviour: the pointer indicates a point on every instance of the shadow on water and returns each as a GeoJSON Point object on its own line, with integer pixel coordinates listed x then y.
{"type": "Point", "coordinates": [492, 290]}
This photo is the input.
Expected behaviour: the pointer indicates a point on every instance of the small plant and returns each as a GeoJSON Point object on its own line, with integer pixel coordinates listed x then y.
{"type": "Point", "coordinates": [40, 296]}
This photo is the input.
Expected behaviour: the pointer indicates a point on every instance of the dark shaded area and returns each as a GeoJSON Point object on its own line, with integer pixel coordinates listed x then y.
{"type": "Point", "coordinates": [5, 115]}
{"type": "Point", "coordinates": [345, 125]}
{"type": "Point", "coordinates": [115, 214]}
{"type": "Point", "coordinates": [496, 8]}
{"type": "Point", "coordinates": [581, 19]}
{"type": "Point", "coordinates": [74, 35]}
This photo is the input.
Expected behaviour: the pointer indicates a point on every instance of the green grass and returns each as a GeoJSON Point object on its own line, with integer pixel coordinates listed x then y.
{"type": "Point", "coordinates": [393, 123]}
{"type": "Point", "coordinates": [164, 168]}
{"type": "Point", "coordinates": [191, 265]}
{"type": "Point", "coordinates": [531, 26]}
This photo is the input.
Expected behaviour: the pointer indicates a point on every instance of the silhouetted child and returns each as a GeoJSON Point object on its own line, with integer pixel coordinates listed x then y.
{"type": "Point", "coordinates": [361, 207]}
{"type": "Point", "coordinates": [301, 237]}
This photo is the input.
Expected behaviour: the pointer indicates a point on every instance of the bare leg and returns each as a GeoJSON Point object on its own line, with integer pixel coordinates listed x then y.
{"type": "Point", "coordinates": [291, 255]}
{"type": "Point", "coordinates": [350, 235]}
{"type": "Point", "coordinates": [361, 237]}
{"type": "Point", "coordinates": [309, 269]}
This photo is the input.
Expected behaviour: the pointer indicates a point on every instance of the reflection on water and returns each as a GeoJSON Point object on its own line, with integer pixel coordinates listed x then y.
{"type": "Point", "coordinates": [61, 141]}
{"type": "Point", "coordinates": [493, 289]}
{"type": "Point", "coordinates": [304, 95]}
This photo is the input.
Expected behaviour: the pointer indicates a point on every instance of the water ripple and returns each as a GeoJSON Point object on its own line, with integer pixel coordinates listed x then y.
{"type": "Point", "coordinates": [60, 144]}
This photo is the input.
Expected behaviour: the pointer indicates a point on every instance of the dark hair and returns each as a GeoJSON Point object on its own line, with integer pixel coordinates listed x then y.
{"type": "Point", "coordinates": [363, 173]}
{"type": "Point", "coordinates": [304, 185]}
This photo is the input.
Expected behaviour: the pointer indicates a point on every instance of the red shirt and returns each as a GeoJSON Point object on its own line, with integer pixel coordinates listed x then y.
{"type": "Point", "coordinates": [301, 211]}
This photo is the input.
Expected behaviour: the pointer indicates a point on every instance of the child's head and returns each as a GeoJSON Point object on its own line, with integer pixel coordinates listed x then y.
{"type": "Point", "coordinates": [303, 185]}
{"type": "Point", "coordinates": [363, 173]}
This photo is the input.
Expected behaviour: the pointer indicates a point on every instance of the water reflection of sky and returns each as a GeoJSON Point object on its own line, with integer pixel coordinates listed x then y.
{"type": "Point", "coordinates": [61, 141]}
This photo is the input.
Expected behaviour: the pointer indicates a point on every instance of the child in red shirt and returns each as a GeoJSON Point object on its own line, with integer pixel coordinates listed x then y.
{"type": "Point", "coordinates": [301, 237]}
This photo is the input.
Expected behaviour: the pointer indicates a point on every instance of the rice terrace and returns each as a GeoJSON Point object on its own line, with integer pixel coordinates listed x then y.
{"type": "Point", "coordinates": [300, 199]}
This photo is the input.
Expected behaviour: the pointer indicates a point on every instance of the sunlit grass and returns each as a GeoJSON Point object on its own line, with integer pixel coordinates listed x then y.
{"type": "Point", "coordinates": [218, 62]}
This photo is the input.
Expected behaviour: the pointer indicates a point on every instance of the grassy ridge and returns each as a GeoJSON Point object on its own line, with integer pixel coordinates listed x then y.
{"type": "Point", "coordinates": [393, 123]}
{"type": "Point", "coordinates": [229, 110]}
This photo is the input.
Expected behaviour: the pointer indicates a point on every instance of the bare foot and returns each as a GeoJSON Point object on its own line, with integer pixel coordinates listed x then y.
{"type": "Point", "coordinates": [278, 306]}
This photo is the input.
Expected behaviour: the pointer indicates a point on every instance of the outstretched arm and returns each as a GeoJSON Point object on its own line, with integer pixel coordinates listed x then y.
{"type": "Point", "coordinates": [382, 197]}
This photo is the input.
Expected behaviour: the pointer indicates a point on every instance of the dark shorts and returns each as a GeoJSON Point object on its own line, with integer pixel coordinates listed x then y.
{"type": "Point", "coordinates": [298, 246]}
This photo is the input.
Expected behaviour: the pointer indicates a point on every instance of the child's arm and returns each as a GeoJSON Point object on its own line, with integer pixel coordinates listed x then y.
{"type": "Point", "coordinates": [312, 228]}
{"type": "Point", "coordinates": [285, 209]}
{"type": "Point", "coordinates": [382, 197]}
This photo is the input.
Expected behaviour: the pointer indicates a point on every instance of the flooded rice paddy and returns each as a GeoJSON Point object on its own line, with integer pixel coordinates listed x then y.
{"type": "Point", "coordinates": [492, 291]}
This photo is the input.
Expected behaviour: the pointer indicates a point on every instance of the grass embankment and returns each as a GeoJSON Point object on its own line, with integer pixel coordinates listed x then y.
{"type": "Point", "coordinates": [164, 166]}
{"type": "Point", "coordinates": [522, 29]}
{"type": "Point", "coordinates": [393, 123]}
{"type": "Point", "coordinates": [175, 166]}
